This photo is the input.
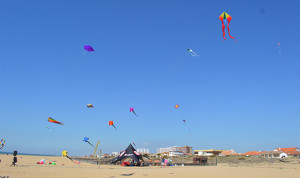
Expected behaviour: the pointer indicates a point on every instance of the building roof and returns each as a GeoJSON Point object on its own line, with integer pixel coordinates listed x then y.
{"type": "Point", "coordinates": [228, 153]}
{"type": "Point", "coordinates": [293, 152]}
{"type": "Point", "coordinates": [212, 150]}
{"type": "Point", "coordinates": [287, 149]}
{"type": "Point", "coordinates": [252, 153]}
{"type": "Point", "coordinates": [271, 152]}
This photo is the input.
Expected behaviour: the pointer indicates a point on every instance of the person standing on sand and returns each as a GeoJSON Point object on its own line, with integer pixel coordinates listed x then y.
{"type": "Point", "coordinates": [162, 162]}
{"type": "Point", "coordinates": [166, 162]}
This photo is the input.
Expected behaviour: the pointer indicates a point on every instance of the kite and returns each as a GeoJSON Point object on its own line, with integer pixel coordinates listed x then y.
{"type": "Point", "coordinates": [2, 143]}
{"type": "Point", "coordinates": [89, 106]}
{"type": "Point", "coordinates": [65, 154]}
{"type": "Point", "coordinates": [54, 121]}
{"type": "Point", "coordinates": [47, 128]}
{"type": "Point", "coordinates": [132, 110]}
{"type": "Point", "coordinates": [192, 52]}
{"type": "Point", "coordinates": [184, 122]}
{"type": "Point", "coordinates": [133, 143]}
{"type": "Point", "coordinates": [88, 48]}
{"type": "Point", "coordinates": [224, 17]}
{"type": "Point", "coordinates": [112, 123]}
{"type": "Point", "coordinates": [176, 106]}
{"type": "Point", "coordinates": [86, 139]}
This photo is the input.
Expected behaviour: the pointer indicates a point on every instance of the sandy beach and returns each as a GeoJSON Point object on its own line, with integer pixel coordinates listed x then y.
{"type": "Point", "coordinates": [27, 167]}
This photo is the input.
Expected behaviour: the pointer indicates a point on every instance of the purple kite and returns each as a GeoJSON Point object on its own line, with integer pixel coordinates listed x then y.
{"type": "Point", "coordinates": [89, 48]}
{"type": "Point", "coordinates": [184, 122]}
{"type": "Point", "coordinates": [132, 110]}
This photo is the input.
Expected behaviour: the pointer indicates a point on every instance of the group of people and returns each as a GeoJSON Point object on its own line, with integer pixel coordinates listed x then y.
{"type": "Point", "coordinates": [165, 162]}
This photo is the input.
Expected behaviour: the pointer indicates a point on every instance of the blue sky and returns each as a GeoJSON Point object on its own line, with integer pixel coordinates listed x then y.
{"type": "Point", "coordinates": [239, 95]}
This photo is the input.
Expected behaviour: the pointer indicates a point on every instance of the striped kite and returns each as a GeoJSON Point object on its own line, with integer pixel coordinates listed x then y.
{"type": "Point", "coordinates": [224, 17]}
{"type": "Point", "coordinates": [2, 143]}
{"type": "Point", "coordinates": [54, 121]}
{"type": "Point", "coordinates": [89, 106]}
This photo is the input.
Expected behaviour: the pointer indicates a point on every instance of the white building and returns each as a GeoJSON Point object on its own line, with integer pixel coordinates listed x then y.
{"type": "Point", "coordinates": [143, 150]}
{"type": "Point", "coordinates": [165, 150]}
{"type": "Point", "coordinates": [207, 152]}
{"type": "Point", "coordinates": [273, 154]}
{"type": "Point", "coordinates": [115, 153]}
{"type": "Point", "coordinates": [175, 153]}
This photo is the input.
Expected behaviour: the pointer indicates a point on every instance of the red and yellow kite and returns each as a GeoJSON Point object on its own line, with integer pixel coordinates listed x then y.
{"type": "Point", "coordinates": [54, 121]}
{"type": "Point", "coordinates": [224, 17]}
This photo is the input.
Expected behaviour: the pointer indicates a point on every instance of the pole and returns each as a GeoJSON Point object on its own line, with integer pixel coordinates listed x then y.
{"type": "Point", "coordinates": [99, 156]}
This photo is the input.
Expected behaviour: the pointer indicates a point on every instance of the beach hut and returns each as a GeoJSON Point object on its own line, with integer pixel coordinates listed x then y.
{"type": "Point", "coordinates": [202, 160]}
{"type": "Point", "coordinates": [131, 153]}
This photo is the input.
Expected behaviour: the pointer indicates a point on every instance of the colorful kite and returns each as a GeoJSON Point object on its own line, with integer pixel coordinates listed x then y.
{"type": "Point", "coordinates": [132, 110]}
{"type": "Point", "coordinates": [54, 121]}
{"type": "Point", "coordinates": [86, 139]}
{"type": "Point", "coordinates": [112, 124]}
{"type": "Point", "coordinates": [192, 52]}
{"type": "Point", "coordinates": [226, 18]}
{"type": "Point", "coordinates": [89, 106]}
{"type": "Point", "coordinates": [176, 106]}
{"type": "Point", "coordinates": [133, 143]}
{"type": "Point", "coordinates": [88, 48]}
{"type": "Point", "coordinates": [65, 154]}
{"type": "Point", "coordinates": [2, 143]}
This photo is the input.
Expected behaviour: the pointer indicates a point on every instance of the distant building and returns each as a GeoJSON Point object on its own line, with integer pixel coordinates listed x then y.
{"type": "Point", "coordinates": [211, 152]}
{"type": "Point", "coordinates": [143, 150]}
{"type": "Point", "coordinates": [228, 153]}
{"type": "Point", "coordinates": [273, 154]}
{"type": "Point", "coordinates": [115, 153]}
{"type": "Point", "coordinates": [252, 153]}
{"type": "Point", "coordinates": [290, 151]}
{"type": "Point", "coordinates": [106, 155]}
{"type": "Point", "coordinates": [185, 149]}
{"type": "Point", "coordinates": [175, 153]}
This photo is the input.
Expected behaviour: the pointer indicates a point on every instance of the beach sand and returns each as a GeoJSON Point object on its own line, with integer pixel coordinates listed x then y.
{"type": "Point", "coordinates": [27, 167]}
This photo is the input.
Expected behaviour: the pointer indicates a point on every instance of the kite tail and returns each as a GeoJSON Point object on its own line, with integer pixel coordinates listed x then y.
{"type": "Point", "coordinates": [91, 144]}
{"type": "Point", "coordinates": [115, 127]}
{"type": "Point", "coordinates": [229, 33]}
{"type": "Point", "coordinates": [70, 159]}
{"type": "Point", "coordinates": [134, 113]}
{"type": "Point", "coordinates": [223, 30]}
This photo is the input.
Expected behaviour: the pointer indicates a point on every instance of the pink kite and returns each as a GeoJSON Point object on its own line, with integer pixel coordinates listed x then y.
{"type": "Point", "coordinates": [132, 110]}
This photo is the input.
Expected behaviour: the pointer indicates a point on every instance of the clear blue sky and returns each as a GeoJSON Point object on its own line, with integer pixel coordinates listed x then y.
{"type": "Point", "coordinates": [239, 95]}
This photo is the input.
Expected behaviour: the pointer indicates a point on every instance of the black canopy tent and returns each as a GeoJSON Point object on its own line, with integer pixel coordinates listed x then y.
{"type": "Point", "coordinates": [130, 152]}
